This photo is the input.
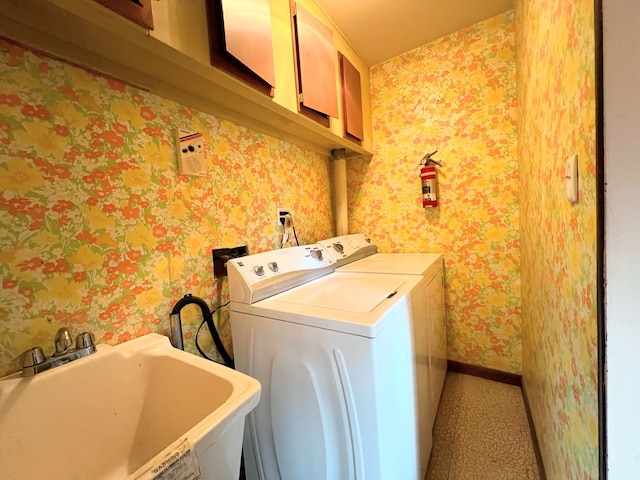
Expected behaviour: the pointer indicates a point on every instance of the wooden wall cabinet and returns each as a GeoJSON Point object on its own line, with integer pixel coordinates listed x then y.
{"type": "Point", "coordinates": [315, 62]}
{"type": "Point", "coordinates": [351, 100]}
{"type": "Point", "coordinates": [173, 61]}
{"type": "Point", "coordinates": [240, 40]}
{"type": "Point", "coordinates": [138, 11]}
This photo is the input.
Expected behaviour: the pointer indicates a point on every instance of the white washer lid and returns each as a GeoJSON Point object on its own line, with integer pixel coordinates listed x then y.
{"type": "Point", "coordinates": [329, 316]}
{"type": "Point", "coordinates": [395, 263]}
{"type": "Point", "coordinates": [351, 294]}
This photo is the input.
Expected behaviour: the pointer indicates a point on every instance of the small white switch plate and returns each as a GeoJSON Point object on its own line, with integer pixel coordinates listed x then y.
{"type": "Point", "coordinates": [571, 178]}
{"type": "Point", "coordinates": [191, 153]}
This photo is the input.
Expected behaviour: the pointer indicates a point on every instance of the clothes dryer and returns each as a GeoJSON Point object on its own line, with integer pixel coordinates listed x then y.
{"type": "Point", "coordinates": [356, 253]}
{"type": "Point", "coordinates": [334, 355]}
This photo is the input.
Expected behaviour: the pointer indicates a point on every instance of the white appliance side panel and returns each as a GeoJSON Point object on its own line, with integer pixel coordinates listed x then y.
{"type": "Point", "coordinates": [438, 344]}
{"type": "Point", "coordinates": [421, 335]}
{"type": "Point", "coordinates": [396, 399]}
{"type": "Point", "coordinates": [357, 392]}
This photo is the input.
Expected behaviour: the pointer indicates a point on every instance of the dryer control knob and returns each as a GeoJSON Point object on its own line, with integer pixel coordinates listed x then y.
{"type": "Point", "coordinates": [258, 270]}
{"type": "Point", "coordinates": [317, 254]}
{"type": "Point", "coordinates": [273, 266]}
{"type": "Point", "coordinates": [338, 247]}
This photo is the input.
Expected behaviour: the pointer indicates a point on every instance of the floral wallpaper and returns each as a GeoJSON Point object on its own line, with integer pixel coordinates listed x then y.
{"type": "Point", "coordinates": [456, 95]}
{"type": "Point", "coordinates": [99, 231]}
{"type": "Point", "coordinates": [556, 119]}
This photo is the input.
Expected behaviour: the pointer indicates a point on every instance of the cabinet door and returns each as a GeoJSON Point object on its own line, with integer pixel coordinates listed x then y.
{"type": "Point", "coordinates": [138, 11]}
{"type": "Point", "coordinates": [240, 40]}
{"type": "Point", "coordinates": [351, 100]}
{"type": "Point", "coordinates": [247, 27]}
{"type": "Point", "coordinates": [316, 66]}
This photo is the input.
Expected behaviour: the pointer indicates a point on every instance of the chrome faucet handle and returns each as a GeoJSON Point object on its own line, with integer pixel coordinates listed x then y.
{"type": "Point", "coordinates": [85, 340]}
{"type": "Point", "coordinates": [33, 361]}
{"type": "Point", "coordinates": [32, 357]}
{"type": "Point", "coordinates": [63, 341]}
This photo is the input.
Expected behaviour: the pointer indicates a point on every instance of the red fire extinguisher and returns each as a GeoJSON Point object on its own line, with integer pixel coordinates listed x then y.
{"type": "Point", "coordinates": [429, 177]}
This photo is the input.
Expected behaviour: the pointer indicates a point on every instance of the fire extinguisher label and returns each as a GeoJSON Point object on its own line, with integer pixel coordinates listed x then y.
{"type": "Point", "coordinates": [429, 178]}
{"type": "Point", "coordinates": [429, 186]}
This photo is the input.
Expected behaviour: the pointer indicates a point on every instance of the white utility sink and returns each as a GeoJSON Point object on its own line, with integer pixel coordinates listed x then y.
{"type": "Point", "coordinates": [123, 412]}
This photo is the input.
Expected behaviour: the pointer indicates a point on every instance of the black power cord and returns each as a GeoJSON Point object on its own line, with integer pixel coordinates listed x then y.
{"type": "Point", "coordinates": [295, 235]}
{"type": "Point", "coordinates": [216, 339]}
{"type": "Point", "coordinates": [287, 218]}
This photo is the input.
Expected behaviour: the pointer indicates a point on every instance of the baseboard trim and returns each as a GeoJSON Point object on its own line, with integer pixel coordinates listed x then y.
{"type": "Point", "coordinates": [534, 436]}
{"type": "Point", "coordinates": [485, 372]}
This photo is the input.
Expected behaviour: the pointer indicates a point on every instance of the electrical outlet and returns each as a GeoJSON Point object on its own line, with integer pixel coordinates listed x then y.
{"type": "Point", "coordinates": [222, 255]}
{"type": "Point", "coordinates": [281, 214]}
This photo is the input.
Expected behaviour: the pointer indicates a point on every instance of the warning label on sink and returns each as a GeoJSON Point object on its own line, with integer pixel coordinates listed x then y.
{"type": "Point", "coordinates": [178, 463]}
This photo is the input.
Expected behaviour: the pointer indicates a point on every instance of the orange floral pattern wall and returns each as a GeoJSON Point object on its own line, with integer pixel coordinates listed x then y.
{"type": "Point", "coordinates": [99, 231]}
{"type": "Point", "coordinates": [556, 119]}
{"type": "Point", "coordinates": [457, 95]}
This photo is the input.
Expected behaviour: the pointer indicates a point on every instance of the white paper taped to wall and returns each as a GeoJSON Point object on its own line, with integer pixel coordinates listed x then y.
{"type": "Point", "coordinates": [191, 153]}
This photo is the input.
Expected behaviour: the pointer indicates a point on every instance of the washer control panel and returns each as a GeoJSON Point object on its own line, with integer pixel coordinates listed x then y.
{"type": "Point", "coordinates": [349, 248]}
{"type": "Point", "coordinates": [255, 277]}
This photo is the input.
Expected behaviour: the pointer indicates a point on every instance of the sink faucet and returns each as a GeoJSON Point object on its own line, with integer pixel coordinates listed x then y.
{"type": "Point", "coordinates": [34, 361]}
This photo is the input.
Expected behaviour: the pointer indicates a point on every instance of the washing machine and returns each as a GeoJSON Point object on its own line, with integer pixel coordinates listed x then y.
{"type": "Point", "coordinates": [356, 253]}
{"type": "Point", "coordinates": [333, 352]}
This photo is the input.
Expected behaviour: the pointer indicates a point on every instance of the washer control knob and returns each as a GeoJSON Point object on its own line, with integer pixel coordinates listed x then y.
{"type": "Point", "coordinates": [273, 266]}
{"type": "Point", "coordinates": [258, 270]}
{"type": "Point", "coordinates": [317, 254]}
{"type": "Point", "coordinates": [338, 247]}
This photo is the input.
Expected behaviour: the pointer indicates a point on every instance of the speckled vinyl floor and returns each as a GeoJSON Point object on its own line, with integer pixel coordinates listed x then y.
{"type": "Point", "coordinates": [481, 433]}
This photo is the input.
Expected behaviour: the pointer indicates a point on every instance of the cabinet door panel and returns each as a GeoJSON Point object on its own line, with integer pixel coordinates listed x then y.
{"type": "Point", "coordinates": [351, 100]}
{"type": "Point", "coordinates": [138, 11]}
{"type": "Point", "coordinates": [247, 28]}
{"type": "Point", "coordinates": [317, 65]}
{"type": "Point", "coordinates": [232, 25]}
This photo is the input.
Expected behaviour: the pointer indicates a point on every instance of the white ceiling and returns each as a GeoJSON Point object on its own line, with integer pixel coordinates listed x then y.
{"type": "Point", "coordinates": [382, 29]}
